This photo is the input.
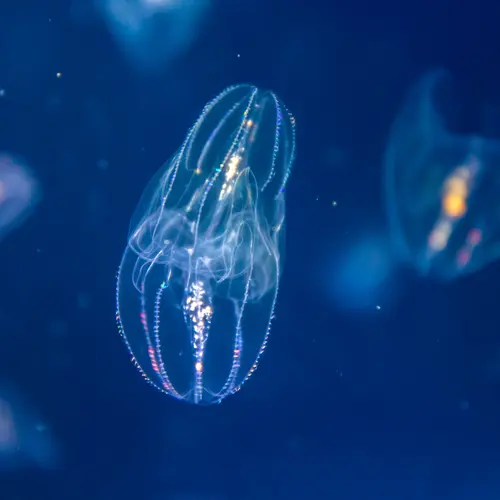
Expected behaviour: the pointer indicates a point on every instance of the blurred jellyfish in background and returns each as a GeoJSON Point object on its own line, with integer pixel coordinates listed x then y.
{"type": "Point", "coordinates": [442, 188]}
{"type": "Point", "coordinates": [25, 440]}
{"type": "Point", "coordinates": [19, 193]}
{"type": "Point", "coordinates": [153, 32]}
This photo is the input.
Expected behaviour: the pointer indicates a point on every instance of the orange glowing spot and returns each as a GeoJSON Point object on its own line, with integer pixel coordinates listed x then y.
{"type": "Point", "coordinates": [198, 366]}
{"type": "Point", "coordinates": [454, 205]}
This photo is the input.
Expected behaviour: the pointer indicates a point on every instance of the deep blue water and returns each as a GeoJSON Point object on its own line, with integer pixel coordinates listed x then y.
{"type": "Point", "coordinates": [351, 400]}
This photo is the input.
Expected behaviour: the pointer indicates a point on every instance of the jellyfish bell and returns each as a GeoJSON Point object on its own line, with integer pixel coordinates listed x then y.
{"type": "Point", "coordinates": [441, 185]}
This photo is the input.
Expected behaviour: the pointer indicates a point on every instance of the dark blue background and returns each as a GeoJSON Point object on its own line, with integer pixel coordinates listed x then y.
{"type": "Point", "coordinates": [401, 403]}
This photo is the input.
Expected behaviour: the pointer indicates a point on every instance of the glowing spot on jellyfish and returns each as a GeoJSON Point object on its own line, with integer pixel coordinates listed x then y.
{"type": "Point", "coordinates": [230, 174]}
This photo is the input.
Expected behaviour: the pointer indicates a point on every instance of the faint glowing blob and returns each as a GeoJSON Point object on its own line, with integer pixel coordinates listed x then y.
{"type": "Point", "coordinates": [358, 274]}
{"type": "Point", "coordinates": [24, 438]}
{"type": "Point", "coordinates": [19, 193]}
{"type": "Point", "coordinates": [153, 32]}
